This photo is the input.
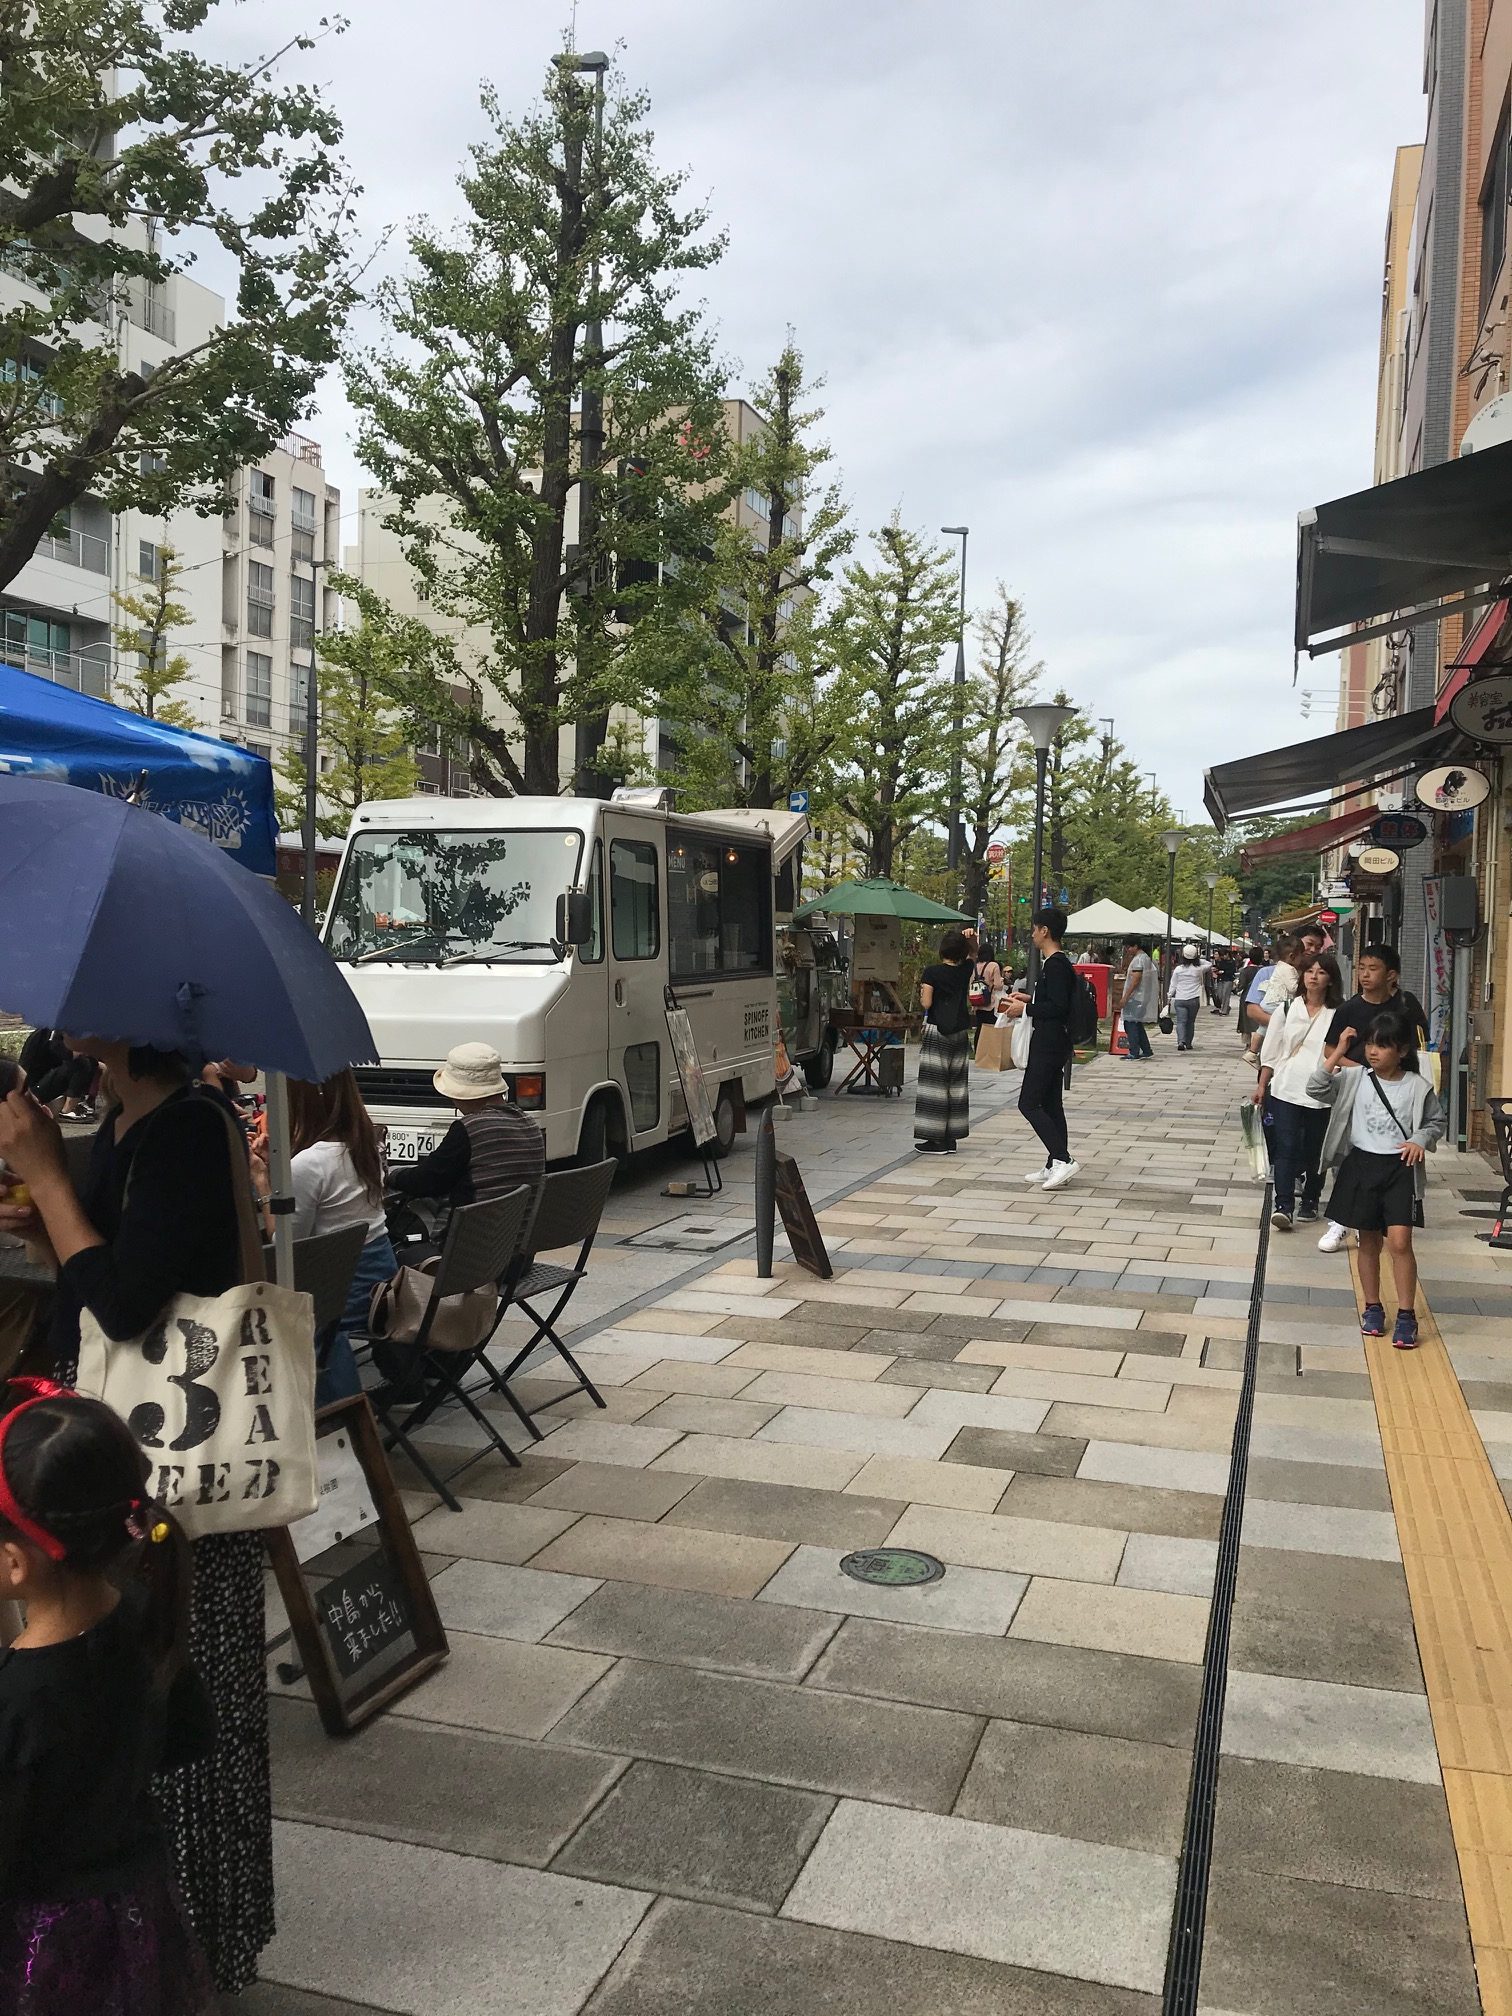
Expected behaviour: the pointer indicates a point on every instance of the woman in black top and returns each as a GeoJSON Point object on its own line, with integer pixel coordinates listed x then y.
{"type": "Point", "coordinates": [942, 1114]}
{"type": "Point", "coordinates": [124, 1256]}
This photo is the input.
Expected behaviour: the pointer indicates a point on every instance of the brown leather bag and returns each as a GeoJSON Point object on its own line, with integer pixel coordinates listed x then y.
{"type": "Point", "coordinates": [396, 1310]}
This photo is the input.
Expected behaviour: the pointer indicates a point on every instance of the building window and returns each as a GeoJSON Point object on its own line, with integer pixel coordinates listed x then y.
{"type": "Point", "coordinates": [259, 599]}
{"type": "Point", "coordinates": [1493, 209]}
{"type": "Point", "coordinates": [301, 613]}
{"type": "Point", "coordinates": [263, 749]}
{"type": "Point", "coordinates": [428, 739]}
{"type": "Point", "coordinates": [153, 462]}
{"type": "Point", "coordinates": [260, 493]}
{"type": "Point", "coordinates": [303, 505]}
{"type": "Point", "coordinates": [147, 560]}
{"type": "Point", "coordinates": [259, 529]}
{"type": "Point", "coordinates": [302, 547]}
{"type": "Point", "coordinates": [259, 689]}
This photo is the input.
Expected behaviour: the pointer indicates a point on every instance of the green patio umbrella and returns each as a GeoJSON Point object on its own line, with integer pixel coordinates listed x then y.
{"type": "Point", "coordinates": [880, 898]}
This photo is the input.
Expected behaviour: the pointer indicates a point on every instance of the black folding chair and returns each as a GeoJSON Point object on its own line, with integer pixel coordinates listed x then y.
{"type": "Point", "coordinates": [572, 1203]}
{"type": "Point", "coordinates": [323, 1270]}
{"type": "Point", "coordinates": [1501, 1120]}
{"type": "Point", "coordinates": [481, 1243]}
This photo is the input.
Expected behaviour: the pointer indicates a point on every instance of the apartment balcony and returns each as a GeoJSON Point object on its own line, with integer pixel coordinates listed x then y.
{"type": "Point", "coordinates": [82, 670]}
{"type": "Point", "coordinates": [302, 448]}
{"type": "Point", "coordinates": [78, 549]}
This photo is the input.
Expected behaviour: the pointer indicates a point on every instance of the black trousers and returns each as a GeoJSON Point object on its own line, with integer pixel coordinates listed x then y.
{"type": "Point", "coordinates": [1042, 1095]}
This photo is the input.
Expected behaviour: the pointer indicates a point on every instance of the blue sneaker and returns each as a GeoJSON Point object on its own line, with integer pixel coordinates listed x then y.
{"type": "Point", "coordinates": [1373, 1320]}
{"type": "Point", "coordinates": [1405, 1335]}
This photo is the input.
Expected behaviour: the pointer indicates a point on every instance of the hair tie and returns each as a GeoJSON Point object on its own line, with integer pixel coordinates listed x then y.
{"type": "Point", "coordinates": [37, 1391]}
{"type": "Point", "coordinates": [159, 1533]}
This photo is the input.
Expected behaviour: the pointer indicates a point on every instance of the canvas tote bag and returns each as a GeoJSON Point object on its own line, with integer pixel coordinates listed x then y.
{"type": "Point", "coordinates": [219, 1391]}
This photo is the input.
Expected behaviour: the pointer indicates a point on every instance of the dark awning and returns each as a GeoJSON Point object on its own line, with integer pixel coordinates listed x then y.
{"type": "Point", "coordinates": [1405, 546]}
{"type": "Point", "coordinates": [1364, 755]}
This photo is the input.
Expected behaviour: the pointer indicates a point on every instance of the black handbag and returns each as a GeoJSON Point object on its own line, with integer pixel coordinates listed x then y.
{"type": "Point", "coordinates": [1165, 1021]}
{"type": "Point", "coordinates": [1417, 1202]}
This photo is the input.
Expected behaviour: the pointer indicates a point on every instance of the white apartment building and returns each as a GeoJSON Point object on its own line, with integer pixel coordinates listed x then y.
{"type": "Point", "coordinates": [251, 578]}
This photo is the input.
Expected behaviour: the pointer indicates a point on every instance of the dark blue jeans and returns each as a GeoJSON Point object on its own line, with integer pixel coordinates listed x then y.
{"type": "Point", "coordinates": [1296, 1145]}
{"type": "Point", "coordinates": [1137, 1039]}
{"type": "Point", "coordinates": [1185, 1014]}
{"type": "Point", "coordinates": [335, 1366]}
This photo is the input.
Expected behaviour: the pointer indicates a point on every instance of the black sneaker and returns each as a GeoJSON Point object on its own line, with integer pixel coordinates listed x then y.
{"type": "Point", "coordinates": [1308, 1215]}
{"type": "Point", "coordinates": [1282, 1220]}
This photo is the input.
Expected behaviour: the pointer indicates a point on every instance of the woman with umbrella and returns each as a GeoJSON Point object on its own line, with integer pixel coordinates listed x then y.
{"type": "Point", "coordinates": [115, 922]}
{"type": "Point", "coordinates": [157, 1218]}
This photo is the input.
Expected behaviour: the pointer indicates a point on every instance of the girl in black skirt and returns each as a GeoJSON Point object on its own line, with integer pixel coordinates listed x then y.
{"type": "Point", "coordinates": [1386, 1117]}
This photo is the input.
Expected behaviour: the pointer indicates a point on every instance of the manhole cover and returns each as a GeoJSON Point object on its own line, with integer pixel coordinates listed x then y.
{"type": "Point", "coordinates": [691, 1234]}
{"type": "Point", "coordinates": [892, 1567]}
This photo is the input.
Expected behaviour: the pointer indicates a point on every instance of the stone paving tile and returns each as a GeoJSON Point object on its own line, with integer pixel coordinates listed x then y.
{"type": "Point", "coordinates": [1335, 1827]}
{"type": "Point", "coordinates": [1143, 1395]}
{"type": "Point", "coordinates": [684, 1628]}
{"type": "Point", "coordinates": [1181, 1567]}
{"type": "Point", "coordinates": [1350, 1952]}
{"type": "Point", "coordinates": [788, 1512]}
{"type": "Point", "coordinates": [691, 1834]}
{"type": "Point", "coordinates": [800, 1736]}
{"type": "Point", "coordinates": [954, 1411]}
{"type": "Point", "coordinates": [600, 1441]}
{"type": "Point", "coordinates": [500, 1685]}
{"type": "Point", "coordinates": [865, 1434]}
{"type": "Point", "coordinates": [1080, 1315]}
{"type": "Point", "coordinates": [701, 1414]}
{"type": "Point", "coordinates": [1187, 1515]}
{"type": "Point", "coordinates": [272, 1998]}
{"type": "Point", "coordinates": [843, 1396]}
{"type": "Point", "coordinates": [505, 1602]}
{"type": "Point", "coordinates": [1321, 1529]}
{"type": "Point", "coordinates": [1320, 1445]}
{"type": "Point", "coordinates": [678, 1344]}
{"type": "Point", "coordinates": [1000, 1893]}
{"type": "Point", "coordinates": [1365, 1730]}
{"type": "Point", "coordinates": [1093, 1788]}
{"type": "Point", "coordinates": [1114, 1462]}
{"type": "Point", "coordinates": [1324, 1617]}
{"type": "Point", "coordinates": [1145, 1431]}
{"type": "Point", "coordinates": [941, 1374]}
{"type": "Point", "coordinates": [1025, 1546]}
{"type": "Point", "coordinates": [958, 1486]}
{"type": "Point", "coordinates": [416, 1931]}
{"type": "Point", "coordinates": [828, 1364]}
{"type": "Point", "coordinates": [671, 1557]}
{"type": "Point", "coordinates": [438, 1787]}
{"type": "Point", "coordinates": [965, 1599]}
{"type": "Point", "coordinates": [611, 1488]}
{"type": "Point", "coordinates": [763, 1462]}
{"type": "Point", "coordinates": [1015, 1449]}
{"type": "Point", "coordinates": [1034, 1356]}
{"type": "Point", "coordinates": [485, 1530]}
{"type": "Point", "coordinates": [494, 1481]}
{"type": "Point", "coordinates": [1147, 1622]}
{"type": "Point", "coordinates": [1282, 1482]}
{"type": "Point", "coordinates": [696, 1960]}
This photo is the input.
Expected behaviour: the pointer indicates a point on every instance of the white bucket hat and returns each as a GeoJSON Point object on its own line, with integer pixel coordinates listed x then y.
{"type": "Point", "coordinates": [471, 1071]}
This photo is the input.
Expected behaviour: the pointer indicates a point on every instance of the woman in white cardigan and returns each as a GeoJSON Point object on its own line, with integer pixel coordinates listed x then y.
{"type": "Point", "coordinates": [1291, 1052]}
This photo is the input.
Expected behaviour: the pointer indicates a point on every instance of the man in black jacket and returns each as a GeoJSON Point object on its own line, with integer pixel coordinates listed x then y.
{"type": "Point", "coordinates": [1042, 1097]}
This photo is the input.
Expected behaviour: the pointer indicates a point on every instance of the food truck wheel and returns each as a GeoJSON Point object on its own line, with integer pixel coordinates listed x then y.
{"type": "Point", "coordinates": [724, 1123]}
{"type": "Point", "coordinates": [602, 1135]}
{"type": "Point", "coordinates": [820, 1068]}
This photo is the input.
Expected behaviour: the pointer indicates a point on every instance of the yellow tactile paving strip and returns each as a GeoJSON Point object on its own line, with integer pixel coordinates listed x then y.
{"type": "Point", "coordinates": [1456, 1538]}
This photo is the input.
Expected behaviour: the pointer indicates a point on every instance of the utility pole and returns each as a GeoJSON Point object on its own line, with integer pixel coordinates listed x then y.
{"type": "Point", "coordinates": [311, 752]}
{"type": "Point", "coordinates": [588, 737]}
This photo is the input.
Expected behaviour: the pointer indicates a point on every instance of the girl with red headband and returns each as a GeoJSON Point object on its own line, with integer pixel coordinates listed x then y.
{"type": "Point", "coordinates": [95, 1697]}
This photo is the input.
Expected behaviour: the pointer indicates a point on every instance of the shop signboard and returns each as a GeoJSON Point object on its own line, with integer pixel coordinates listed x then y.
{"type": "Point", "coordinates": [1398, 830]}
{"type": "Point", "coordinates": [1483, 709]}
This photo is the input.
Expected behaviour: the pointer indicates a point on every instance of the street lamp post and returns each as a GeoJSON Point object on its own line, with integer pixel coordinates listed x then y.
{"type": "Point", "coordinates": [953, 843]}
{"type": "Point", "coordinates": [1170, 841]}
{"type": "Point", "coordinates": [593, 63]}
{"type": "Point", "coordinates": [1211, 879]}
{"type": "Point", "coordinates": [1154, 790]}
{"type": "Point", "coordinates": [311, 758]}
{"type": "Point", "coordinates": [1044, 720]}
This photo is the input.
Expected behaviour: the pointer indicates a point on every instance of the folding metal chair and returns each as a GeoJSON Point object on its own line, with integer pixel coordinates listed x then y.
{"type": "Point", "coordinates": [481, 1243]}
{"type": "Point", "coordinates": [572, 1203]}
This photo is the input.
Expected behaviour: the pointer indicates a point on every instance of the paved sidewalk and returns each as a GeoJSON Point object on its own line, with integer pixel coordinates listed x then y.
{"type": "Point", "coordinates": [678, 1764]}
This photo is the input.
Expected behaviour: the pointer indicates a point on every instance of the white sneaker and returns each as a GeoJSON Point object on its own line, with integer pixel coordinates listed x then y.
{"type": "Point", "coordinates": [1061, 1174]}
{"type": "Point", "coordinates": [1335, 1239]}
{"type": "Point", "coordinates": [1041, 1175]}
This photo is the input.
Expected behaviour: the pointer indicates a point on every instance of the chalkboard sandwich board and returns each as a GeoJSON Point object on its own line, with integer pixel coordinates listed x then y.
{"type": "Point", "coordinates": [359, 1604]}
{"type": "Point", "coordinates": [798, 1220]}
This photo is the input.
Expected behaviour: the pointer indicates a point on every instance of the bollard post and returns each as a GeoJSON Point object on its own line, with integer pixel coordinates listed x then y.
{"type": "Point", "coordinates": [766, 1194]}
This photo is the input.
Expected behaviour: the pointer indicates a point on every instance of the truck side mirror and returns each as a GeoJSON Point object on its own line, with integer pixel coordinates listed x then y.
{"type": "Point", "coordinates": [574, 918]}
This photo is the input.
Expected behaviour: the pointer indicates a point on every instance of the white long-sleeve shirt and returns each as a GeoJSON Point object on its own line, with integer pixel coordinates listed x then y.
{"type": "Point", "coordinates": [1293, 1050]}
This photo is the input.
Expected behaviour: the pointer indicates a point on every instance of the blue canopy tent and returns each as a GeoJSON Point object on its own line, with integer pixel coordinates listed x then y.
{"type": "Point", "coordinates": [212, 787]}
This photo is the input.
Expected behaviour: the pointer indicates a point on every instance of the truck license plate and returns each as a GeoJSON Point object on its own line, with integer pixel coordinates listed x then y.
{"type": "Point", "coordinates": [408, 1144]}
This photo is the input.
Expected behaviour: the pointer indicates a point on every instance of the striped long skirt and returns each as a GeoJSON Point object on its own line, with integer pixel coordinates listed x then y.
{"type": "Point", "coordinates": [942, 1109]}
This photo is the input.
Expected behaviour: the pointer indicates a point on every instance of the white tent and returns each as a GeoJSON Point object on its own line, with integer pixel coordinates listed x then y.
{"type": "Point", "coordinates": [1101, 918]}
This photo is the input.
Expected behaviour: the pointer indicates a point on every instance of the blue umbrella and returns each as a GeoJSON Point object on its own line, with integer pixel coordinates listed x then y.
{"type": "Point", "coordinates": [118, 924]}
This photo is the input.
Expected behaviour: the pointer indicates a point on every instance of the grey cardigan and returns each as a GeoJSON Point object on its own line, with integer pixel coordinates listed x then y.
{"type": "Point", "coordinates": [1140, 989]}
{"type": "Point", "coordinates": [1338, 1090]}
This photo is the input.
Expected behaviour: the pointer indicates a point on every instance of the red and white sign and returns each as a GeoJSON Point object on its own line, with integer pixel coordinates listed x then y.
{"type": "Point", "coordinates": [1328, 918]}
{"type": "Point", "coordinates": [996, 854]}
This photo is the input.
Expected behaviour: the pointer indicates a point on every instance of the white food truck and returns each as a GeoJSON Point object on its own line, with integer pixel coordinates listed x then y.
{"type": "Point", "coordinates": [550, 928]}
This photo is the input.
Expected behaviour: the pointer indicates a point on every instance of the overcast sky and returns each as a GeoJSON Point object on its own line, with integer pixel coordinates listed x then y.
{"type": "Point", "coordinates": [1100, 280]}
